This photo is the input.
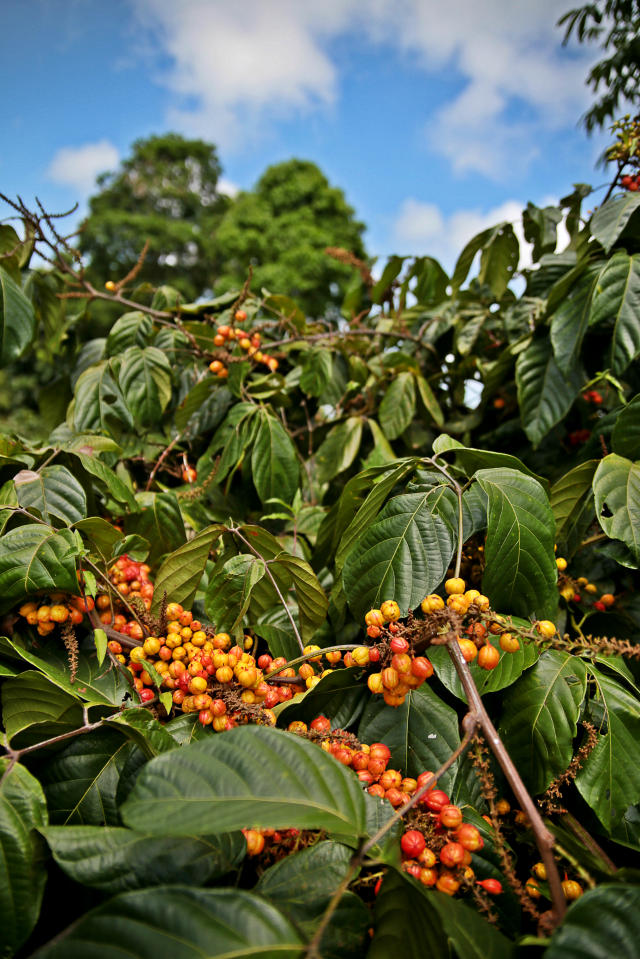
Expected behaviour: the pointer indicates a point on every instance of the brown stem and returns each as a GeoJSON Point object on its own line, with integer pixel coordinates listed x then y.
{"type": "Point", "coordinates": [160, 461]}
{"type": "Point", "coordinates": [307, 656]}
{"type": "Point", "coordinates": [544, 839]}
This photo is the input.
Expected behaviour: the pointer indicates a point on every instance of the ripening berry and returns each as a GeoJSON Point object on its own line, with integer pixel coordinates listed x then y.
{"type": "Point", "coordinates": [599, 605]}
{"type": "Point", "coordinates": [399, 645]}
{"type": "Point", "coordinates": [240, 316]}
{"type": "Point", "coordinates": [503, 806]}
{"type": "Point", "coordinates": [110, 286]}
{"type": "Point", "coordinates": [493, 886]}
{"type": "Point", "coordinates": [468, 649]}
{"type": "Point", "coordinates": [374, 682]}
{"type": "Point", "coordinates": [432, 603]}
{"type": "Point", "coordinates": [546, 628]}
{"type": "Point", "coordinates": [572, 889]}
{"type": "Point", "coordinates": [374, 618]}
{"type": "Point", "coordinates": [360, 655]}
{"type": "Point", "coordinates": [255, 841]}
{"type": "Point", "coordinates": [390, 611]}
{"type": "Point", "coordinates": [561, 563]}
{"type": "Point", "coordinates": [488, 657]}
{"type": "Point", "coordinates": [469, 837]}
{"type": "Point", "coordinates": [454, 586]}
{"type": "Point", "coordinates": [412, 843]}
{"type": "Point", "coordinates": [532, 888]}
{"type": "Point", "coordinates": [539, 870]}
{"type": "Point", "coordinates": [447, 883]}
{"type": "Point", "coordinates": [509, 643]}
{"type": "Point", "coordinates": [607, 599]}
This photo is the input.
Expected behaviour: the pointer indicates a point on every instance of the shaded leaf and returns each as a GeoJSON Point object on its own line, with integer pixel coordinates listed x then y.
{"type": "Point", "coordinates": [54, 492]}
{"type": "Point", "coordinates": [625, 438]}
{"type": "Point", "coordinates": [311, 598]}
{"type": "Point", "coordinates": [160, 522]}
{"type": "Point", "coordinates": [131, 329]}
{"type": "Point", "coordinates": [617, 300]}
{"type": "Point", "coordinates": [610, 219]}
{"type": "Point", "coordinates": [605, 921]}
{"type": "Point", "coordinates": [116, 487]}
{"type": "Point", "coordinates": [34, 558]}
{"type": "Point", "coordinates": [569, 494]}
{"type": "Point", "coordinates": [17, 319]}
{"type": "Point", "coordinates": [229, 591]}
{"type": "Point", "coordinates": [398, 405]}
{"type": "Point", "coordinates": [616, 486]}
{"type": "Point", "coordinates": [145, 380]}
{"type": "Point", "coordinates": [338, 449]}
{"type": "Point", "coordinates": [31, 698]}
{"type": "Point", "coordinates": [180, 573]}
{"type": "Point", "coordinates": [545, 394]}
{"type": "Point", "coordinates": [274, 463]}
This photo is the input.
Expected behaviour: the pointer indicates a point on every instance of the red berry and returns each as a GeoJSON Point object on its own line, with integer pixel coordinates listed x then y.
{"type": "Point", "coordinates": [577, 598]}
{"type": "Point", "coordinates": [451, 816]}
{"type": "Point", "coordinates": [399, 645]}
{"type": "Point", "coordinates": [321, 724]}
{"type": "Point", "coordinates": [452, 854]}
{"type": "Point", "coordinates": [412, 842]}
{"type": "Point", "coordinates": [490, 885]}
{"type": "Point", "coordinates": [146, 695]}
{"type": "Point", "coordinates": [469, 837]}
{"type": "Point", "coordinates": [421, 668]}
{"type": "Point", "coordinates": [380, 751]}
{"type": "Point", "coordinates": [599, 606]}
{"type": "Point", "coordinates": [435, 800]}
{"type": "Point", "coordinates": [488, 657]}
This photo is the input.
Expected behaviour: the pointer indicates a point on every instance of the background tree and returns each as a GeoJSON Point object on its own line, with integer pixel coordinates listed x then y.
{"type": "Point", "coordinates": [165, 193]}
{"type": "Point", "coordinates": [282, 228]}
{"type": "Point", "coordinates": [615, 25]}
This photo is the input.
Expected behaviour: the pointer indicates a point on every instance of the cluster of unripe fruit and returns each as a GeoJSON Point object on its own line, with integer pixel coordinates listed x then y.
{"type": "Point", "coordinates": [402, 670]}
{"type": "Point", "coordinates": [248, 341]}
{"type": "Point", "coordinates": [571, 889]}
{"type": "Point", "coordinates": [569, 588]}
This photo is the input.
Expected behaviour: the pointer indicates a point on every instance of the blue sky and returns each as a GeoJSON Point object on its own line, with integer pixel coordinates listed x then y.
{"type": "Point", "coordinates": [436, 119]}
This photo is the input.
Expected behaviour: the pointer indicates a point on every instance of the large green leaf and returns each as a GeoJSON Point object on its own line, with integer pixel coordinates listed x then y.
{"type": "Point", "coordinates": [17, 319]}
{"type": "Point", "coordinates": [145, 380]}
{"type": "Point", "coordinates": [116, 487]}
{"type": "Point", "coordinates": [395, 935]}
{"type": "Point", "coordinates": [99, 535]}
{"type": "Point", "coordinates": [421, 734]}
{"type": "Point", "coordinates": [469, 934]}
{"type": "Point", "coordinates": [160, 522]}
{"type": "Point", "coordinates": [540, 715]}
{"type": "Point", "coordinates": [569, 494]}
{"type": "Point", "coordinates": [609, 220]}
{"type": "Point", "coordinates": [114, 859]}
{"type": "Point", "coordinates": [203, 407]}
{"type": "Point", "coordinates": [54, 492]}
{"type": "Point", "coordinates": [398, 405]}
{"type": "Point", "coordinates": [34, 558]}
{"type": "Point", "coordinates": [545, 393]}
{"type": "Point", "coordinates": [470, 459]}
{"type": "Point", "coordinates": [251, 776]}
{"type": "Point", "coordinates": [141, 726]}
{"type": "Point", "coordinates": [571, 319]}
{"type": "Point", "coordinates": [338, 449]}
{"type": "Point", "coordinates": [610, 778]}
{"type": "Point", "coordinates": [180, 573]}
{"type": "Point", "coordinates": [81, 781]}
{"type": "Point", "coordinates": [229, 591]}
{"type": "Point", "coordinates": [317, 368]}
{"type": "Point", "coordinates": [604, 922]}
{"type": "Point", "coordinates": [466, 258]}
{"type": "Point", "coordinates": [429, 400]}
{"type": "Point", "coordinates": [311, 598]}
{"type": "Point", "coordinates": [616, 486]}
{"type": "Point", "coordinates": [340, 696]}
{"type": "Point", "coordinates": [131, 329]}
{"type": "Point", "coordinates": [625, 438]}
{"type": "Point", "coordinates": [499, 259]}
{"type": "Point", "coordinates": [617, 301]}
{"type": "Point", "coordinates": [182, 922]}
{"type": "Point", "coordinates": [31, 698]}
{"type": "Point", "coordinates": [508, 670]}
{"type": "Point", "coordinates": [302, 885]}
{"type": "Point", "coordinates": [403, 555]}
{"type": "Point", "coordinates": [95, 685]}
{"type": "Point", "coordinates": [98, 402]}
{"type": "Point", "coordinates": [23, 810]}
{"type": "Point", "coordinates": [274, 463]}
{"type": "Point", "coordinates": [520, 574]}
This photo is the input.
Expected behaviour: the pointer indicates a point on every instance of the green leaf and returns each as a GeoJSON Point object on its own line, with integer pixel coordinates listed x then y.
{"type": "Point", "coordinates": [625, 438]}
{"type": "Point", "coordinates": [139, 725]}
{"type": "Point", "coordinates": [98, 402]}
{"type": "Point", "coordinates": [605, 921]}
{"type": "Point", "coordinates": [470, 459]}
{"type": "Point", "coordinates": [338, 449]}
{"type": "Point", "coordinates": [80, 782]}
{"type": "Point", "coordinates": [398, 405]}
{"type": "Point", "coordinates": [252, 776]}
{"type": "Point", "coordinates": [203, 407]}
{"type": "Point", "coordinates": [609, 220]}
{"type": "Point", "coordinates": [569, 494]}
{"type": "Point", "coordinates": [508, 670]}
{"type": "Point", "coordinates": [540, 715]}
{"type": "Point", "coordinates": [54, 492]}
{"type": "Point", "coordinates": [17, 319]}
{"type": "Point", "coordinates": [160, 522]}
{"type": "Point", "coordinates": [23, 810]}
{"type": "Point", "coordinates": [94, 685]}
{"type": "Point", "coordinates": [403, 555]}
{"type": "Point", "coordinates": [301, 885]}
{"type": "Point", "coordinates": [468, 255]}
{"type": "Point", "coordinates": [609, 780]}
{"type": "Point", "coordinates": [31, 698]}
{"type": "Point", "coordinates": [520, 573]}
{"type": "Point", "coordinates": [99, 534]}
{"type": "Point", "coordinates": [317, 369]}
{"type": "Point", "coordinates": [145, 381]}
{"type": "Point", "coordinates": [340, 697]}
{"type": "Point", "coordinates": [394, 935]}
{"type": "Point", "coordinates": [274, 463]}
{"type": "Point", "coordinates": [470, 935]}
{"type": "Point", "coordinates": [499, 259]}
{"type": "Point", "coordinates": [617, 300]}
{"type": "Point", "coordinates": [131, 329]}
{"type": "Point", "coordinates": [421, 734]}
{"type": "Point", "coordinates": [114, 859]}
{"type": "Point", "coordinates": [540, 228]}
{"type": "Point", "coordinates": [211, 923]}
{"type": "Point", "coordinates": [429, 400]}
{"type": "Point", "coordinates": [180, 574]}
{"type": "Point", "coordinates": [468, 331]}
{"type": "Point", "coordinates": [616, 486]}
{"type": "Point", "coordinates": [311, 598]}
{"type": "Point", "coordinates": [545, 394]}
{"type": "Point", "coordinates": [571, 319]}
{"type": "Point", "coordinates": [119, 490]}
{"type": "Point", "coordinates": [229, 591]}
{"type": "Point", "coordinates": [34, 558]}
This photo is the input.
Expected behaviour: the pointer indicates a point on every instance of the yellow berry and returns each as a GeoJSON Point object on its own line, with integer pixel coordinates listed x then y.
{"type": "Point", "coordinates": [454, 585]}
{"type": "Point", "coordinates": [432, 603]}
{"type": "Point", "coordinates": [546, 628]}
{"type": "Point", "coordinates": [390, 610]}
{"type": "Point", "coordinates": [561, 563]}
{"type": "Point", "coordinates": [539, 870]}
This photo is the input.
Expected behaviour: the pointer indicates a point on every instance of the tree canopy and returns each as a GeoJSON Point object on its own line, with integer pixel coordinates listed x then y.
{"type": "Point", "coordinates": [166, 194]}
{"type": "Point", "coordinates": [282, 229]}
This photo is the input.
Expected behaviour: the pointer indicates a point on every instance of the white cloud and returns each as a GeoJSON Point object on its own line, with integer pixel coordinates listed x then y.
{"type": "Point", "coordinates": [228, 187]}
{"type": "Point", "coordinates": [422, 228]}
{"type": "Point", "coordinates": [78, 167]}
{"type": "Point", "coordinates": [235, 65]}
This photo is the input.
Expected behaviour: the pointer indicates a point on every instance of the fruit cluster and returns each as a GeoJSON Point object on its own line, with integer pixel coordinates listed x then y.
{"type": "Point", "coordinates": [53, 610]}
{"type": "Point", "coordinates": [592, 396]}
{"type": "Point", "coordinates": [572, 889]}
{"type": "Point", "coordinates": [570, 588]}
{"type": "Point", "coordinates": [248, 342]}
{"type": "Point", "coordinates": [631, 182]}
